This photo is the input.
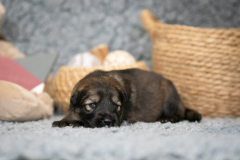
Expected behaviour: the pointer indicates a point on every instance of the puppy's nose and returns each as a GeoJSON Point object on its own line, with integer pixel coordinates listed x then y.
{"type": "Point", "coordinates": [107, 121]}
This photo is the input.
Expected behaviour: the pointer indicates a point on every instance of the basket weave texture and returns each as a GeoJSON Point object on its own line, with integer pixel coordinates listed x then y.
{"type": "Point", "coordinates": [67, 77]}
{"type": "Point", "coordinates": [203, 63]}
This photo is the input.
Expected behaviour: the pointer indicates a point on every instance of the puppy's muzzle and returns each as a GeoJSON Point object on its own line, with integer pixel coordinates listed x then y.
{"type": "Point", "coordinates": [108, 121]}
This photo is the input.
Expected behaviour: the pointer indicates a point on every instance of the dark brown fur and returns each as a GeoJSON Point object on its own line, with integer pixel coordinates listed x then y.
{"type": "Point", "coordinates": [142, 95]}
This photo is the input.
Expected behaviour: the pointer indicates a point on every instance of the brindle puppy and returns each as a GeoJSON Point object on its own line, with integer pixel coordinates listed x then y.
{"type": "Point", "coordinates": [108, 98]}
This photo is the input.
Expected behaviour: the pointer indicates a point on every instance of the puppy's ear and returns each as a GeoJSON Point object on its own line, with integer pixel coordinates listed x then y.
{"type": "Point", "coordinates": [125, 98]}
{"type": "Point", "coordinates": [123, 95]}
{"type": "Point", "coordinates": [75, 98]}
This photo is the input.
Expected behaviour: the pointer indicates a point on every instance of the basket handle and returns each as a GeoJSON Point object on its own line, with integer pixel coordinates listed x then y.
{"type": "Point", "coordinates": [148, 20]}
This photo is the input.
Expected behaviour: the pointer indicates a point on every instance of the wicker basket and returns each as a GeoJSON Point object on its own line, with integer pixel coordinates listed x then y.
{"type": "Point", "coordinates": [203, 63]}
{"type": "Point", "coordinates": [67, 77]}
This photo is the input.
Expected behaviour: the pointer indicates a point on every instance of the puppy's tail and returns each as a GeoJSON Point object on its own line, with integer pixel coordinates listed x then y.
{"type": "Point", "coordinates": [192, 115]}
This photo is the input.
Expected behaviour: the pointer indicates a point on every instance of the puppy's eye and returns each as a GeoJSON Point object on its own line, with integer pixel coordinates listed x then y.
{"type": "Point", "coordinates": [118, 107]}
{"type": "Point", "coordinates": [90, 106]}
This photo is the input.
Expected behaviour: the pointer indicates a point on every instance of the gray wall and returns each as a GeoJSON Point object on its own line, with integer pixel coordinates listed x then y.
{"type": "Point", "coordinates": [75, 26]}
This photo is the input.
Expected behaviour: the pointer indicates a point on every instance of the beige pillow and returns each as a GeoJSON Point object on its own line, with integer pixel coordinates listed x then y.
{"type": "Point", "coordinates": [8, 50]}
{"type": "Point", "coordinates": [19, 104]}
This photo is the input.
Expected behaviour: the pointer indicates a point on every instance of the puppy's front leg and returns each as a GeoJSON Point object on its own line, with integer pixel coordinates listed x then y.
{"type": "Point", "coordinates": [68, 120]}
{"type": "Point", "coordinates": [76, 124]}
{"type": "Point", "coordinates": [62, 123]}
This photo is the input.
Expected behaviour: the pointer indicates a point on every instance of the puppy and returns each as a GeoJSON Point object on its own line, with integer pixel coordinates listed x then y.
{"type": "Point", "coordinates": [108, 98]}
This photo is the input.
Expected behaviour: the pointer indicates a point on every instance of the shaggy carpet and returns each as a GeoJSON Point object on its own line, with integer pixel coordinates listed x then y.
{"type": "Point", "coordinates": [215, 139]}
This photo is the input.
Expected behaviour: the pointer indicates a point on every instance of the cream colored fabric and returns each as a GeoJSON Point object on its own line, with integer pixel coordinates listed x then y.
{"type": "Point", "coordinates": [119, 57]}
{"type": "Point", "coordinates": [84, 60]}
{"type": "Point", "coordinates": [19, 104]}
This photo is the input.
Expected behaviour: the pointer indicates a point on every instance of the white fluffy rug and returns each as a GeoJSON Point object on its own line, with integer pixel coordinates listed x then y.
{"type": "Point", "coordinates": [213, 139]}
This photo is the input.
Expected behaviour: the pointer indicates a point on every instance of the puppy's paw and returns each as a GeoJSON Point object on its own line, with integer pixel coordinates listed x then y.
{"type": "Point", "coordinates": [196, 117]}
{"type": "Point", "coordinates": [76, 124]}
{"type": "Point", "coordinates": [60, 124]}
{"type": "Point", "coordinates": [192, 115]}
{"type": "Point", "coordinates": [172, 119]}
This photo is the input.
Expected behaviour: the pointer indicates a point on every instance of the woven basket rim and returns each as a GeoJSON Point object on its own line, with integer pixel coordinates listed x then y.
{"type": "Point", "coordinates": [195, 27]}
{"type": "Point", "coordinates": [150, 22]}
